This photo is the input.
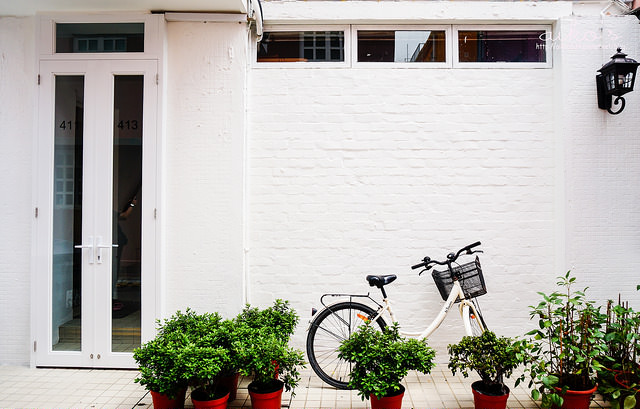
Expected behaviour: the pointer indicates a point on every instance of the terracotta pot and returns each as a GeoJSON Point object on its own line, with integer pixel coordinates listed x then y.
{"type": "Point", "coordinates": [231, 383]}
{"type": "Point", "coordinates": [219, 403]}
{"type": "Point", "coordinates": [622, 379]}
{"type": "Point", "coordinates": [484, 401]}
{"type": "Point", "coordinates": [388, 402]}
{"type": "Point", "coordinates": [162, 401]}
{"type": "Point", "coordinates": [577, 399]}
{"type": "Point", "coordinates": [268, 400]}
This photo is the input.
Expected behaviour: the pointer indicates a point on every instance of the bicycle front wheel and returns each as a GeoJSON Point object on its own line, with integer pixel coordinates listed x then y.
{"type": "Point", "coordinates": [473, 322]}
{"type": "Point", "coordinates": [327, 330]}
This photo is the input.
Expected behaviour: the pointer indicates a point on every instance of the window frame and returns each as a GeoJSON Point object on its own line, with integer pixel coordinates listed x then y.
{"type": "Point", "coordinates": [306, 64]}
{"type": "Point", "coordinates": [451, 46]}
{"type": "Point", "coordinates": [402, 27]}
{"type": "Point", "coordinates": [500, 27]}
{"type": "Point", "coordinates": [153, 35]}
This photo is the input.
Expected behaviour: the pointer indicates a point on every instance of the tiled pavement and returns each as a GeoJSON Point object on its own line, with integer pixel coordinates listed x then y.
{"type": "Point", "coordinates": [22, 388]}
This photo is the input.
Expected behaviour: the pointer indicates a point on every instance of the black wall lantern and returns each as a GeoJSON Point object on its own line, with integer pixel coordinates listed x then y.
{"type": "Point", "coordinates": [616, 78]}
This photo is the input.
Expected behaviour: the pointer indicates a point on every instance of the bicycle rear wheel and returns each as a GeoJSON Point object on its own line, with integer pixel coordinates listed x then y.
{"type": "Point", "coordinates": [474, 323]}
{"type": "Point", "coordinates": [327, 330]}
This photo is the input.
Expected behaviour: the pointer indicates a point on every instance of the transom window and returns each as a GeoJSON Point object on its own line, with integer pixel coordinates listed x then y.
{"type": "Point", "coordinates": [385, 46]}
{"type": "Point", "coordinates": [99, 37]}
{"type": "Point", "coordinates": [511, 46]}
{"type": "Point", "coordinates": [308, 46]}
{"type": "Point", "coordinates": [401, 46]}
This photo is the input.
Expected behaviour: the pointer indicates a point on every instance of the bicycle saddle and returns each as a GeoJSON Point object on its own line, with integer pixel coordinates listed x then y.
{"type": "Point", "coordinates": [380, 281]}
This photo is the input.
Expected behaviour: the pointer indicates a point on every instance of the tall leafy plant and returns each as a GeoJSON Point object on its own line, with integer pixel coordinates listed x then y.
{"type": "Point", "coordinates": [619, 379]}
{"type": "Point", "coordinates": [567, 343]}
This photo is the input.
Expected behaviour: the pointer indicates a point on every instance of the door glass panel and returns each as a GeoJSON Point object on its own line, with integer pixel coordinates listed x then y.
{"type": "Point", "coordinates": [127, 201]}
{"type": "Point", "coordinates": [67, 213]}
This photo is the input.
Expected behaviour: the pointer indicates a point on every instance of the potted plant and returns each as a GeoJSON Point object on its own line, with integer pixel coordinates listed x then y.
{"type": "Point", "coordinates": [619, 377]}
{"type": "Point", "coordinates": [189, 349]}
{"type": "Point", "coordinates": [493, 358]}
{"type": "Point", "coordinates": [381, 359]}
{"type": "Point", "coordinates": [565, 347]}
{"type": "Point", "coordinates": [161, 368]}
{"type": "Point", "coordinates": [205, 357]}
{"type": "Point", "coordinates": [261, 348]}
{"type": "Point", "coordinates": [204, 364]}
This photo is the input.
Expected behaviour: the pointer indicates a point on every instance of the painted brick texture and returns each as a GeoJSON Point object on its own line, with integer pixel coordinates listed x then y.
{"type": "Point", "coordinates": [602, 161]}
{"type": "Point", "coordinates": [366, 171]}
{"type": "Point", "coordinates": [17, 87]}
{"type": "Point", "coordinates": [357, 171]}
{"type": "Point", "coordinates": [204, 168]}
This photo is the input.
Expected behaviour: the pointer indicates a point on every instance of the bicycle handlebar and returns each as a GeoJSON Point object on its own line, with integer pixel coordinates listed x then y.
{"type": "Point", "coordinates": [427, 263]}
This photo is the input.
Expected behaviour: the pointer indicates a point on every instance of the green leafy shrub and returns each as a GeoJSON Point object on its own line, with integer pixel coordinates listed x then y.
{"type": "Point", "coordinates": [264, 356]}
{"type": "Point", "coordinates": [493, 358]}
{"type": "Point", "coordinates": [161, 368]}
{"type": "Point", "coordinates": [280, 318]}
{"type": "Point", "coordinates": [261, 346]}
{"type": "Point", "coordinates": [189, 349]}
{"type": "Point", "coordinates": [381, 359]}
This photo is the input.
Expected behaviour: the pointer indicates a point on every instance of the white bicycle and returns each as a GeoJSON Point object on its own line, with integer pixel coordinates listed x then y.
{"type": "Point", "coordinates": [335, 322]}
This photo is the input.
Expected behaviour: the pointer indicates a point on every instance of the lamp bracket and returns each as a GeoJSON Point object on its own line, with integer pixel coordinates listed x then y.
{"type": "Point", "coordinates": [615, 102]}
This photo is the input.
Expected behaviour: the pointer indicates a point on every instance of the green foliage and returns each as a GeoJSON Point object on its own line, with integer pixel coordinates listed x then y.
{"type": "Point", "coordinates": [622, 356]}
{"type": "Point", "coordinates": [280, 319]}
{"type": "Point", "coordinates": [159, 362]}
{"type": "Point", "coordinates": [262, 354]}
{"type": "Point", "coordinates": [566, 345]}
{"type": "Point", "coordinates": [493, 358]}
{"type": "Point", "coordinates": [382, 358]}
{"type": "Point", "coordinates": [190, 349]}
{"type": "Point", "coordinates": [261, 344]}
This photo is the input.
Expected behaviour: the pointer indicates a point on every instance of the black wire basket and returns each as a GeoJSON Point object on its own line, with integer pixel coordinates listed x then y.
{"type": "Point", "coordinates": [470, 277]}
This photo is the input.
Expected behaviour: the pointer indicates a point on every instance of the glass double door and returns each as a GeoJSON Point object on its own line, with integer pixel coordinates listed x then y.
{"type": "Point", "coordinates": [96, 211]}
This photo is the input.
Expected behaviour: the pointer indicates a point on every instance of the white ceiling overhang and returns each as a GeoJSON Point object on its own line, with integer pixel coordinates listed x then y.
{"type": "Point", "coordinates": [30, 7]}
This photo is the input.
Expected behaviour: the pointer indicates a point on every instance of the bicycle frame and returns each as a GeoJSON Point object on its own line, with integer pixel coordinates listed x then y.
{"type": "Point", "coordinates": [456, 292]}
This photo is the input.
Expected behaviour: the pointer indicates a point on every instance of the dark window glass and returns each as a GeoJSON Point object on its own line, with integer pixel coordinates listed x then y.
{"type": "Point", "coordinates": [99, 37]}
{"type": "Point", "coordinates": [502, 46]}
{"type": "Point", "coordinates": [401, 46]}
{"type": "Point", "coordinates": [287, 46]}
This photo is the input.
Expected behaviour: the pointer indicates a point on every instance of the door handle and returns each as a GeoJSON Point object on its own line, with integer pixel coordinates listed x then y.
{"type": "Point", "coordinates": [87, 246]}
{"type": "Point", "coordinates": [101, 246]}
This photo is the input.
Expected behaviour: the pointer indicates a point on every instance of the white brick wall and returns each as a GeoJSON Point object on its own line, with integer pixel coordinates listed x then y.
{"type": "Point", "coordinates": [602, 161]}
{"type": "Point", "coordinates": [357, 171]}
{"type": "Point", "coordinates": [204, 167]}
{"type": "Point", "coordinates": [366, 171]}
{"type": "Point", "coordinates": [17, 88]}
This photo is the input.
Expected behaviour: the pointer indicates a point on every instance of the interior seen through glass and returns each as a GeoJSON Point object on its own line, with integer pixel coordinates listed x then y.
{"type": "Point", "coordinates": [502, 46]}
{"type": "Point", "coordinates": [401, 46]}
{"type": "Point", "coordinates": [99, 37]}
{"type": "Point", "coordinates": [127, 202]}
{"type": "Point", "coordinates": [67, 214]}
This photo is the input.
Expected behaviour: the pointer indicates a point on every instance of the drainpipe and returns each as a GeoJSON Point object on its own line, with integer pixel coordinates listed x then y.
{"type": "Point", "coordinates": [255, 14]}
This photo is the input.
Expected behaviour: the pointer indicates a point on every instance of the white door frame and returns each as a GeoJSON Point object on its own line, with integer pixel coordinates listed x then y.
{"type": "Point", "coordinates": [98, 140]}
